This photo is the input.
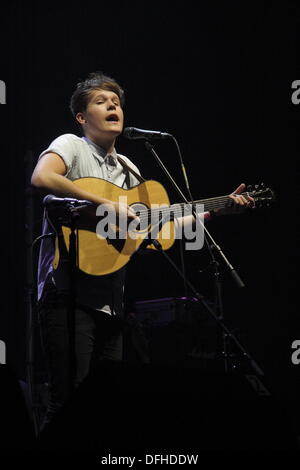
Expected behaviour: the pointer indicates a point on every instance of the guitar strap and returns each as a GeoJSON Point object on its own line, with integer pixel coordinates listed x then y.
{"type": "Point", "coordinates": [131, 170]}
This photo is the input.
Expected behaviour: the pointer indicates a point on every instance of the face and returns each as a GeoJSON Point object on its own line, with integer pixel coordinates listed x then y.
{"type": "Point", "coordinates": [103, 118]}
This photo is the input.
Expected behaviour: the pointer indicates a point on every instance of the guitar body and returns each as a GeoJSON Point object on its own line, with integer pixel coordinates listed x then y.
{"type": "Point", "coordinates": [98, 255]}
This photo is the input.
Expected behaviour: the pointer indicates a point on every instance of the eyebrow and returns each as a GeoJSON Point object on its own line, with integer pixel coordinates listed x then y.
{"type": "Point", "coordinates": [101, 95]}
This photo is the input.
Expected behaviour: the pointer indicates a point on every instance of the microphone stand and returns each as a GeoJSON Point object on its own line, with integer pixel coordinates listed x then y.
{"type": "Point", "coordinates": [72, 216]}
{"type": "Point", "coordinates": [73, 263]}
{"type": "Point", "coordinates": [218, 318]}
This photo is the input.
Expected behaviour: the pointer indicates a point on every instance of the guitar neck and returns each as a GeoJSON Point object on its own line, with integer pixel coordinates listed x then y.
{"type": "Point", "coordinates": [183, 209]}
{"type": "Point", "coordinates": [177, 210]}
{"type": "Point", "coordinates": [215, 202]}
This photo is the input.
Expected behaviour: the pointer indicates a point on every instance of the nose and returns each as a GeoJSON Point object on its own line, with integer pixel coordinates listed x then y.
{"type": "Point", "coordinates": [111, 104]}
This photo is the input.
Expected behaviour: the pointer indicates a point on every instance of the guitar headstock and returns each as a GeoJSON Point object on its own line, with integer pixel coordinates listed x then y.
{"type": "Point", "coordinates": [262, 195]}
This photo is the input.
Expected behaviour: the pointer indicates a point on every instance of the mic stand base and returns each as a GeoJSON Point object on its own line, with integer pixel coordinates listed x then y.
{"type": "Point", "coordinates": [218, 320]}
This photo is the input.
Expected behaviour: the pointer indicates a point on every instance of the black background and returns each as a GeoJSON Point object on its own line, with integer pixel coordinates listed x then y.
{"type": "Point", "coordinates": [218, 77]}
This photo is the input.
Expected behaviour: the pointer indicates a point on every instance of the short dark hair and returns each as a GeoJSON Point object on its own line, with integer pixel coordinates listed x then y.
{"type": "Point", "coordinates": [94, 81]}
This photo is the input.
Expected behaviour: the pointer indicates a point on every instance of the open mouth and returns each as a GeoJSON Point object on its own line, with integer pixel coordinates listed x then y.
{"type": "Point", "coordinates": [112, 118]}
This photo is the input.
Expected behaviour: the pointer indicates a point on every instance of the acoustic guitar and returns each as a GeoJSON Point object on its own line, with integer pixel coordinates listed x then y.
{"type": "Point", "coordinates": [104, 253]}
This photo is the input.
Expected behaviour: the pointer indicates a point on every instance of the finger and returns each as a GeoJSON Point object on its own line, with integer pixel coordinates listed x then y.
{"type": "Point", "coordinates": [238, 204]}
{"type": "Point", "coordinates": [240, 189]}
{"type": "Point", "coordinates": [246, 201]}
{"type": "Point", "coordinates": [237, 200]}
{"type": "Point", "coordinates": [243, 200]}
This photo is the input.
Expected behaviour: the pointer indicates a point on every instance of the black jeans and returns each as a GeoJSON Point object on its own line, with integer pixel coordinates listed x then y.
{"type": "Point", "coordinates": [98, 337]}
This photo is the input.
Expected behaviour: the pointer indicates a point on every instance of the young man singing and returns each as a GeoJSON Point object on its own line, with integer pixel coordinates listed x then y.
{"type": "Point", "coordinates": [97, 105]}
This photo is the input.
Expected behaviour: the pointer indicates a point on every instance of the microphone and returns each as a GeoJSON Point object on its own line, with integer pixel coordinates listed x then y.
{"type": "Point", "coordinates": [135, 133]}
{"type": "Point", "coordinates": [53, 201]}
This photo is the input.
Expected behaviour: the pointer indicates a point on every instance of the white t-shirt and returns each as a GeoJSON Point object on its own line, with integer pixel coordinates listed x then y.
{"type": "Point", "coordinates": [83, 158]}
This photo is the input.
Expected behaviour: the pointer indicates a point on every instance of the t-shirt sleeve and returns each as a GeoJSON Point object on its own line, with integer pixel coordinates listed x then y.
{"type": "Point", "coordinates": [64, 146]}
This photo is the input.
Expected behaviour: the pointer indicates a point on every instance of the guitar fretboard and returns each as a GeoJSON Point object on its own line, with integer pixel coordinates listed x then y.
{"type": "Point", "coordinates": [183, 209]}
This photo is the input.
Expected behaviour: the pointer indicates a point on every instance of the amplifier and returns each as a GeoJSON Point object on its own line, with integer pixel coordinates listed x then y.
{"type": "Point", "coordinates": [160, 312]}
{"type": "Point", "coordinates": [176, 330]}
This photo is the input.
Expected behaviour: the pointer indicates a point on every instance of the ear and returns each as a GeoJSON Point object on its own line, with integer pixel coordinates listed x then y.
{"type": "Point", "coordinates": [80, 118]}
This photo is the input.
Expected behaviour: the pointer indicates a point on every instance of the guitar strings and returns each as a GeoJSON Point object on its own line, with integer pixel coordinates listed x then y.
{"type": "Point", "coordinates": [177, 209]}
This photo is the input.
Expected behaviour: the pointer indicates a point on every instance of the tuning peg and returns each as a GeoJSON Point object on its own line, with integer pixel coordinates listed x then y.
{"type": "Point", "coordinates": [249, 188]}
